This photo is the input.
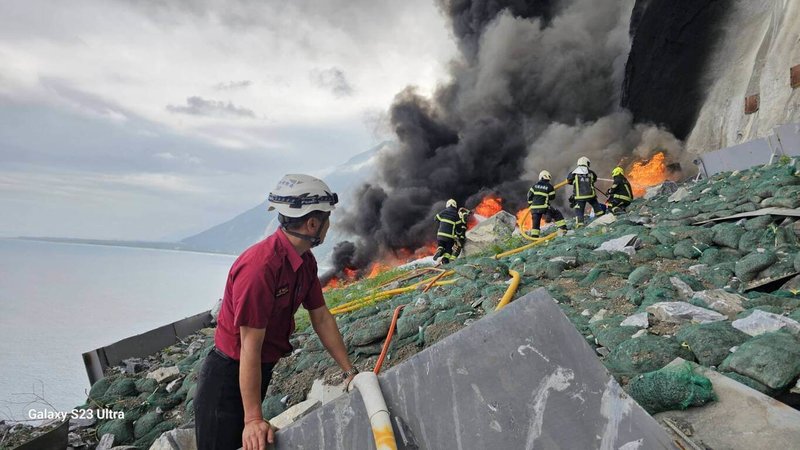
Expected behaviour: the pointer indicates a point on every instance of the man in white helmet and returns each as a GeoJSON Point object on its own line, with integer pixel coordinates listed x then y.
{"type": "Point", "coordinates": [448, 231]}
{"type": "Point", "coordinates": [266, 285]}
{"type": "Point", "coordinates": [582, 180]}
{"type": "Point", "coordinates": [540, 197]}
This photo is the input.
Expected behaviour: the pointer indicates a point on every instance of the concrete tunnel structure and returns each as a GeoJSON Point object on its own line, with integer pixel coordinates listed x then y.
{"type": "Point", "coordinates": [521, 378]}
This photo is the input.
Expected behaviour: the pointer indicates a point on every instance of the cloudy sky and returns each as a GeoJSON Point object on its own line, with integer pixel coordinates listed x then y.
{"type": "Point", "coordinates": [146, 119]}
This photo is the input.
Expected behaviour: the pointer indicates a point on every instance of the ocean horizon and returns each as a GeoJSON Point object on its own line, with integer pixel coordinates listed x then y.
{"type": "Point", "coordinates": [58, 300]}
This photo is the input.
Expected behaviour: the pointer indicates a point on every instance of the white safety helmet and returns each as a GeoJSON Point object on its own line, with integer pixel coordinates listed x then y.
{"type": "Point", "coordinates": [297, 195]}
{"type": "Point", "coordinates": [451, 203]}
{"type": "Point", "coordinates": [584, 161]}
{"type": "Point", "coordinates": [544, 175]}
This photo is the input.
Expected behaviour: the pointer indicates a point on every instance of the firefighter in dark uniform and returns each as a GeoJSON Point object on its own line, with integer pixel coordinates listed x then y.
{"type": "Point", "coordinates": [582, 180]}
{"type": "Point", "coordinates": [620, 194]}
{"type": "Point", "coordinates": [461, 231]}
{"type": "Point", "coordinates": [446, 236]}
{"type": "Point", "coordinates": [539, 197]}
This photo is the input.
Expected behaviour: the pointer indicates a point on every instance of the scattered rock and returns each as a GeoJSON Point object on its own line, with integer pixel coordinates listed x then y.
{"type": "Point", "coordinates": [637, 320]}
{"type": "Point", "coordinates": [134, 365]}
{"type": "Point", "coordinates": [325, 392]}
{"type": "Point", "coordinates": [684, 290]}
{"type": "Point", "coordinates": [483, 236]}
{"type": "Point", "coordinates": [679, 312]}
{"type": "Point", "coordinates": [760, 322]}
{"type": "Point", "coordinates": [178, 439]}
{"type": "Point", "coordinates": [295, 412]}
{"type": "Point", "coordinates": [618, 244]}
{"type": "Point", "coordinates": [605, 219]}
{"type": "Point", "coordinates": [600, 315]}
{"type": "Point", "coordinates": [722, 301]}
{"type": "Point", "coordinates": [106, 442]}
{"type": "Point", "coordinates": [174, 385]}
{"type": "Point", "coordinates": [679, 195]}
{"type": "Point", "coordinates": [164, 374]}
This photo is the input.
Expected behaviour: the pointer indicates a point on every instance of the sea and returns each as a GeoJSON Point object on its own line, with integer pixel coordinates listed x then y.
{"type": "Point", "coordinates": [58, 301]}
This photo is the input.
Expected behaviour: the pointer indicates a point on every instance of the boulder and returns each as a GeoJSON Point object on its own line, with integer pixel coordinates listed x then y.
{"type": "Point", "coordinates": [178, 439]}
{"type": "Point", "coordinates": [679, 312]}
{"type": "Point", "coordinates": [760, 322]}
{"type": "Point", "coordinates": [637, 320]}
{"type": "Point", "coordinates": [487, 233]}
{"type": "Point", "coordinates": [619, 244]}
{"type": "Point", "coordinates": [164, 374]}
{"type": "Point", "coordinates": [667, 187]}
{"type": "Point", "coordinates": [684, 290]}
{"type": "Point", "coordinates": [722, 301]}
{"type": "Point", "coordinates": [679, 195]}
{"type": "Point", "coordinates": [605, 219]}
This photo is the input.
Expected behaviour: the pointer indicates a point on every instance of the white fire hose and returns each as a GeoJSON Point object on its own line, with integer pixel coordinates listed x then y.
{"type": "Point", "coordinates": [378, 413]}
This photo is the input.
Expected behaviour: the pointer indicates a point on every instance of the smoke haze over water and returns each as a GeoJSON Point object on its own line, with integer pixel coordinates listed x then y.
{"type": "Point", "coordinates": [537, 86]}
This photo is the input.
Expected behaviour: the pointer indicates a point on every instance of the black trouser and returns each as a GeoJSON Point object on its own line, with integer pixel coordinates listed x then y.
{"type": "Point", "coordinates": [552, 215]}
{"type": "Point", "coordinates": [218, 408]}
{"type": "Point", "coordinates": [445, 249]}
{"type": "Point", "coordinates": [618, 205]}
{"type": "Point", "coordinates": [580, 207]}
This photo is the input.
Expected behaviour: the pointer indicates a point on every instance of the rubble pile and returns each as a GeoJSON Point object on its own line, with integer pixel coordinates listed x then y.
{"type": "Point", "coordinates": [644, 289]}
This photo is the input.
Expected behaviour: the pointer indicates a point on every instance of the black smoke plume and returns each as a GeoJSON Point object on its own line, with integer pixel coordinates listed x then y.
{"type": "Point", "coordinates": [537, 86]}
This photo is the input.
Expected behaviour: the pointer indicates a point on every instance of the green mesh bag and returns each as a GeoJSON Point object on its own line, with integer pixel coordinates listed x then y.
{"type": "Point", "coordinates": [673, 387]}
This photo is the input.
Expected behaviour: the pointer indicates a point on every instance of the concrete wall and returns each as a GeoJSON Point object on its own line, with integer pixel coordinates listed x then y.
{"type": "Point", "coordinates": [142, 345]}
{"type": "Point", "coordinates": [519, 379]}
{"type": "Point", "coordinates": [756, 50]}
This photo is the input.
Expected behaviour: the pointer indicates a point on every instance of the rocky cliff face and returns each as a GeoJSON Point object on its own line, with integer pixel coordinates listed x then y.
{"type": "Point", "coordinates": [692, 63]}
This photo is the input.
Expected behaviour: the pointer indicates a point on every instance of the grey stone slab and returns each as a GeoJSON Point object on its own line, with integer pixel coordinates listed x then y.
{"type": "Point", "coordinates": [521, 378]}
{"type": "Point", "coordinates": [741, 418]}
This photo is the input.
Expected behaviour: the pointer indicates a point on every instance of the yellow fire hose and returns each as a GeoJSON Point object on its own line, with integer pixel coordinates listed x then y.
{"type": "Point", "coordinates": [365, 301]}
{"type": "Point", "coordinates": [512, 289]}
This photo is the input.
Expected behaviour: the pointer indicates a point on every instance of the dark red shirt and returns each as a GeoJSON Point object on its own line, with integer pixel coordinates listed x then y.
{"type": "Point", "coordinates": [266, 285]}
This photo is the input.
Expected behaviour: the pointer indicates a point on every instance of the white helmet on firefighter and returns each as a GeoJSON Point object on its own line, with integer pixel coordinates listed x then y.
{"type": "Point", "coordinates": [544, 175]}
{"type": "Point", "coordinates": [297, 195]}
{"type": "Point", "coordinates": [451, 203]}
{"type": "Point", "coordinates": [584, 161]}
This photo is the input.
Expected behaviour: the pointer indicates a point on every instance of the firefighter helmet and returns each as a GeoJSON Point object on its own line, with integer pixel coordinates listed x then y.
{"type": "Point", "coordinates": [617, 171]}
{"type": "Point", "coordinates": [544, 175]}
{"type": "Point", "coordinates": [451, 203]}
{"type": "Point", "coordinates": [584, 161]}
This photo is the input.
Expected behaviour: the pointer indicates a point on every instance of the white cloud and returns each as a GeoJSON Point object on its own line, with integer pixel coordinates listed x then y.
{"type": "Point", "coordinates": [277, 86]}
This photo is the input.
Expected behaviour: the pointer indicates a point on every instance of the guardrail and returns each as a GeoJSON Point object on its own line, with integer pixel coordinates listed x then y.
{"type": "Point", "coordinates": [142, 345]}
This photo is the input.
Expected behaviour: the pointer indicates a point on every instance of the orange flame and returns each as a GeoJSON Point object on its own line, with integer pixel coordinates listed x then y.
{"type": "Point", "coordinates": [489, 206]}
{"type": "Point", "coordinates": [333, 283]}
{"type": "Point", "coordinates": [528, 223]}
{"type": "Point", "coordinates": [350, 274]}
{"type": "Point", "coordinates": [644, 174]}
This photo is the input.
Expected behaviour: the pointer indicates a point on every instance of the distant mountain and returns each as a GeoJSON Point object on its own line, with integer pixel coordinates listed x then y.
{"type": "Point", "coordinates": [235, 235]}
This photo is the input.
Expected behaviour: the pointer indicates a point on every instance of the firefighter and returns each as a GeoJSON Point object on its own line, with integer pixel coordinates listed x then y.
{"type": "Point", "coordinates": [620, 194]}
{"type": "Point", "coordinates": [446, 236]}
{"type": "Point", "coordinates": [539, 197]}
{"type": "Point", "coordinates": [582, 180]}
{"type": "Point", "coordinates": [461, 231]}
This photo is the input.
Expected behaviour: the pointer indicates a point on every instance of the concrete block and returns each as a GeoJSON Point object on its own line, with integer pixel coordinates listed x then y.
{"type": "Point", "coordinates": [521, 378]}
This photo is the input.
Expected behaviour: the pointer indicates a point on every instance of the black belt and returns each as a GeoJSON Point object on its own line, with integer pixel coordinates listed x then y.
{"type": "Point", "coordinates": [223, 355]}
